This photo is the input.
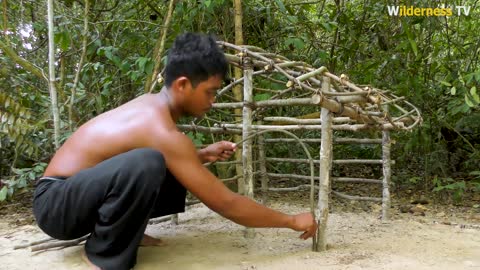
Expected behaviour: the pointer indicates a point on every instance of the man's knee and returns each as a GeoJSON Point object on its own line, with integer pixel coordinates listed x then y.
{"type": "Point", "coordinates": [147, 161]}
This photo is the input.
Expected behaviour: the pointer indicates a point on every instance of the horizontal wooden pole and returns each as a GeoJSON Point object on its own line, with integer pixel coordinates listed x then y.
{"type": "Point", "coordinates": [236, 128]}
{"type": "Point", "coordinates": [356, 198]}
{"type": "Point", "coordinates": [285, 175]}
{"type": "Point", "coordinates": [293, 120]}
{"type": "Point", "coordinates": [212, 130]}
{"type": "Point", "coordinates": [356, 180]}
{"type": "Point", "coordinates": [358, 161]}
{"type": "Point", "coordinates": [314, 100]}
{"type": "Point", "coordinates": [335, 140]}
{"type": "Point", "coordinates": [292, 188]}
{"type": "Point", "coordinates": [336, 161]}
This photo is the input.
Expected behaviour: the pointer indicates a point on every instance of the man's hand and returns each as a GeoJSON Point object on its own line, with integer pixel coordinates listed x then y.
{"type": "Point", "coordinates": [218, 151]}
{"type": "Point", "coordinates": [306, 223]}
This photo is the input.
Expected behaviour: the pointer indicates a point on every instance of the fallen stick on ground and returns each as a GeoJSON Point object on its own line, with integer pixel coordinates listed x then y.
{"type": "Point", "coordinates": [61, 244]}
{"type": "Point", "coordinates": [33, 243]}
{"type": "Point", "coordinates": [49, 242]}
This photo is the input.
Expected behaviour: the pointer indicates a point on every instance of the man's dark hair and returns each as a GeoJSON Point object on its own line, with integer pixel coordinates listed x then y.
{"type": "Point", "coordinates": [195, 56]}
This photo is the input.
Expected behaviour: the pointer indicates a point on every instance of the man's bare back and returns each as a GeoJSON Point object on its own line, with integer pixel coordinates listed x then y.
{"type": "Point", "coordinates": [117, 131]}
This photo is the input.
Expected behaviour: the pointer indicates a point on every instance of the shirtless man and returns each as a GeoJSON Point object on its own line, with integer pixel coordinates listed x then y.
{"type": "Point", "coordinates": [130, 164]}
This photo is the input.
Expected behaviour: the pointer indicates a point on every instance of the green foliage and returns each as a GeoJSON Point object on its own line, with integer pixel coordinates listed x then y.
{"type": "Point", "coordinates": [197, 138]}
{"type": "Point", "coordinates": [458, 188]}
{"type": "Point", "coordinates": [433, 61]}
{"type": "Point", "coordinates": [22, 179]}
{"type": "Point", "coordinates": [15, 124]}
{"type": "Point", "coordinates": [476, 181]}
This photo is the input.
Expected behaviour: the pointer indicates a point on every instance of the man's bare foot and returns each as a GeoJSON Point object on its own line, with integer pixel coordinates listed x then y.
{"type": "Point", "coordinates": [148, 241]}
{"type": "Point", "coordinates": [91, 266]}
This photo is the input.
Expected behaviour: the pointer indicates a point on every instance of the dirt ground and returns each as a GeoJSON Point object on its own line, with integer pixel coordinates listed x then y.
{"type": "Point", "coordinates": [204, 240]}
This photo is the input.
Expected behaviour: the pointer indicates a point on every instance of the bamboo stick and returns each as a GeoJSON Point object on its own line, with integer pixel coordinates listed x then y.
{"type": "Point", "coordinates": [355, 198]}
{"type": "Point", "coordinates": [325, 167]}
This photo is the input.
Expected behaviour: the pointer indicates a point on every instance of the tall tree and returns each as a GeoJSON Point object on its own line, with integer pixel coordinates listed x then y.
{"type": "Point", "coordinates": [51, 73]}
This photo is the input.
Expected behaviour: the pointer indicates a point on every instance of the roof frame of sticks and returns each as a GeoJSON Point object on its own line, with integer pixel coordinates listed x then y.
{"type": "Point", "coordinates": [338, 104]}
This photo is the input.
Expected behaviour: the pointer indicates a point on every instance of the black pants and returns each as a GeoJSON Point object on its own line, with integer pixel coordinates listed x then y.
{"type": "Point", "coordinates": [113, 202]}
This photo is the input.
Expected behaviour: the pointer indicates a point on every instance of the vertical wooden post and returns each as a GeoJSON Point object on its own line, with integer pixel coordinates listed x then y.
{"type": "Point", "coordinates": [387, 173]}
{"type": "Point", "coordinates": [247, 155]}
{"type": "Point", "coordinates": [325, 166]}
{"type": "Point", "coordinates": [263, 166]}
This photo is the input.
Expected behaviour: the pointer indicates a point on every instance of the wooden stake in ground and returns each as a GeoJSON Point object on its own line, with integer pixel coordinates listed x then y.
{"type": "Point", "coordinates": [247, 156]}
{"type": "Point", "coordinates": [325, 165]}
{"type": "Point", "coordinates": [262, 166]}
{"type": "Point", "coordinates": [387, 172]}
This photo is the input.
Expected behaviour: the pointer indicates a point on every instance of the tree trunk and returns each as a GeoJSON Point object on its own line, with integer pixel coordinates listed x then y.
{"type": "Point", "coordinates": [237, 90]}
{"type": "Point", "coordinates": [51, 72]}
{"type": "Point", "coordinates": [22, 62]}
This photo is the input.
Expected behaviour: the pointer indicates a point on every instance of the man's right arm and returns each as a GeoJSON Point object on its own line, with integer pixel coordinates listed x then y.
{"type": "Point", "coordinates": [182, 160]}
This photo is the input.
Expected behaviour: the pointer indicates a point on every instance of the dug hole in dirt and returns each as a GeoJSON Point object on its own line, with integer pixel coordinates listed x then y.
{"type": "Point", "coordinates": [203, 240]}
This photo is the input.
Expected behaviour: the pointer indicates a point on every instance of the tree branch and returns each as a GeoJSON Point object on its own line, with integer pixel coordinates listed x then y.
{"type": "Point", "coordinates": [80, 65]}
{"type": "Point", "coordinates": [22, 62]}
{"type": "Point", "coordinates": [159, 48]}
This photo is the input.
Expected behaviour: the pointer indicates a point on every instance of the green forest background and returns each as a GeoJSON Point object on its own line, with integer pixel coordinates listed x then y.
{"type": "Point", "coordinates": [432, 61]}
